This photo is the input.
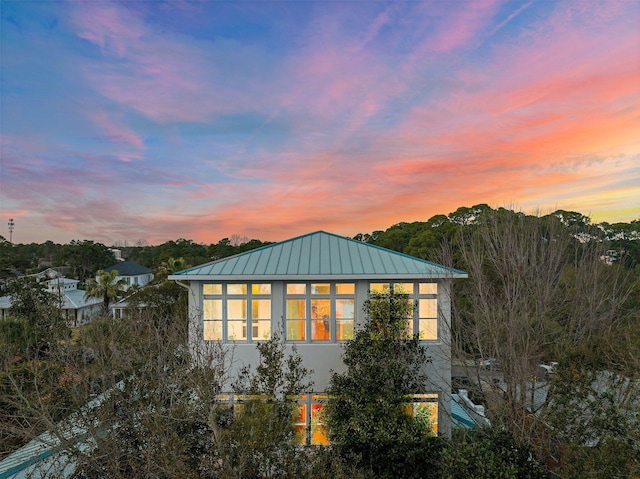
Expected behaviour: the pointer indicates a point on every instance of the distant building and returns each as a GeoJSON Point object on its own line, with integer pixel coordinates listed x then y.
{"type": "Point", "coordinates": [76, 309]}
{"type": "Point", "coordinates": [117, 254]}
{"type": "Point", "coordinates": [132, 273]}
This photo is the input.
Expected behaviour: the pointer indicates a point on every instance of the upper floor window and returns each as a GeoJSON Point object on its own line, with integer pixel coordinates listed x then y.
{"type": "Point", "coordinates": [424, 299]}
{"type": "Point", "coordinates": [320, 311]}
{"type": "Point", "coordinates": [237, 311]}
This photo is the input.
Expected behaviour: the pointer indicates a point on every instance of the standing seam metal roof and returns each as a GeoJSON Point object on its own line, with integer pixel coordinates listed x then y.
{"type": "Point", "coordinates": [319, 254]}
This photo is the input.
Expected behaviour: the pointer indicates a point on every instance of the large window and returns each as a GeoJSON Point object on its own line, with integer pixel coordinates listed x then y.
{"type": "Point", "coordinates": [237, 311]}
{"type": "Point", "coordinates": [424, 297]}
{"type": "Point", "coordinates": [320, 311]}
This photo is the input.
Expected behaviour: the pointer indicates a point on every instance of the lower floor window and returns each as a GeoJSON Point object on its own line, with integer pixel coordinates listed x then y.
{"type": "Point", "coordinates": [309, 422]}
{"type": "Point", "coordinates": [309, 413]}
{"type": "Point", "coordinates": [424, 408]}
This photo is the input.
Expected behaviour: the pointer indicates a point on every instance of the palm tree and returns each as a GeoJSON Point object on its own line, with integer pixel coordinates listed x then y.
{"type": "Point", "coordinates": [106, 286]}
{"type": "Point", "coordinates": [167, 267]}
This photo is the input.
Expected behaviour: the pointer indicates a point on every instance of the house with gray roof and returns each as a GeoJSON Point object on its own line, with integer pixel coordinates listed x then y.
{"type": "Point", "coordinates": [132, 273]}
{"type": "Point", "coordinates": [311, 291]}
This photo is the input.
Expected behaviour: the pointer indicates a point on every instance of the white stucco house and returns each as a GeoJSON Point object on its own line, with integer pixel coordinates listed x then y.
{"type": "Point", "coordinates": [76, 309]}
{"type": "Point", "coordinates": [132, 273]}
{"type": "Point", "coordinates": [311, 290]}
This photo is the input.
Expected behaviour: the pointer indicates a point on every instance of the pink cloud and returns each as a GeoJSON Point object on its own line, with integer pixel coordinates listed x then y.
{"type": "Point", "coordinates": [117, 132]}
{"type": "Point", "coordinates": [105, 25]}
{"type": "Point", "coordinates": [168, 77]}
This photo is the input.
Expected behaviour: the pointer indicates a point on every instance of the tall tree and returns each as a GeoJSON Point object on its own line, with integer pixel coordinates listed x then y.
{"type": "Point", "coordinates": [538, 291]}
{"type": "Point", "coordinates": [367, 411]}
{"type": "Point", "coordinates": [85, 257]}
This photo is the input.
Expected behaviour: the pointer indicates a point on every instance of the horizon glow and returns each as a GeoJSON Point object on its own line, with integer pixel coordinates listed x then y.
{"type": "Point", "coordinates": [122, 121]}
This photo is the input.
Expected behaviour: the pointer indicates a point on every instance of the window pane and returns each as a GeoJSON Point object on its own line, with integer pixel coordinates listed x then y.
{"type": "Point", "coordinates": [296, 288]}
{"type": "Point", "coordinates": [261, 309]}
{"type": "Point", "coordinates": [236, 289]}
{"type": "Point", "coordinates": [345, 308]}
{"type": "Point", "coordinates": [261, 329]}
{"type": "Point", "coordinates": [213, 330]}
{"type": "Point", "coordinates": [428, 288]}
{"type": "Point", "coordinates": [318, 429]}
{"type": "Point", "coordinates": [427, 414]}
{"type": "Point", "coordinates": [212, 309]}
{"type": "Point", "coordinates": [345, 288]}
{"type": "Point", "coordinates": [428, 329]}
{"type": "Point", "coordinates": [237, 330]}
{"type": "Point", "coordinates": [300, 423]}
{"type": "Point", "coordinates": [379, 287]}
{"type": "Point", "coordinates": [344, 329]}
{"type": "Point", "coordinates": [320, 308]}
{"type": "Point", "coordinates": [403, 288]}
{"type": "Point", "coordinates": [236, 309]}
{"type": "Point", "coordinates": [320, 330]}
{"type": "Point", "coordinates": [261, 288]}
{"type": "Point", "coordinates": [408, 327]}
{"type": "Point", "coordinates": [320, 288]}
{"type": "Point", "coordinates": [296, 329]}
{"type": "Point", "coordinates": [296, 309]}
{"type": "Point", "coordinates": [212, 289]}
{"type": "Point", "coordinates": [320, 314]}
{"type": "Point", "coordinates": [428, 308]}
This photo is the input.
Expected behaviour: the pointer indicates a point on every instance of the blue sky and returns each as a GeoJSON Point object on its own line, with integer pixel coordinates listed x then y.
{"type": "Point", "coordinates": [164, 120]}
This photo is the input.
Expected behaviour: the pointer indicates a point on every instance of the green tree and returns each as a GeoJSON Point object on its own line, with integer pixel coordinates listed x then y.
{"type": "Point", "coordinates": [367, 409]}
{"type": "Point", "coordinates": [488, 453]}
{"type": "Point", "coordinates": [257, 440]}
{"type": "Point", "coordinates": [86, 257]}
{"type": "Point", "coordinates": [32, 304]}
{"type": "Point", "coordinates": [595, 422]}
{"type": "Point", "coordinates": [107, 287]}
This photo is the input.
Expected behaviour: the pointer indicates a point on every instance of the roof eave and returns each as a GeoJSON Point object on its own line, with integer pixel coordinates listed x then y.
{"type": "Point", "coordinates": [315, 277]}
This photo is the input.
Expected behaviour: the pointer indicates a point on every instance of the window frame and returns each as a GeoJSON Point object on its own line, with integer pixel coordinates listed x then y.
{"type": "Point", "coordinates": [415, 296]}
{"type": "Point", "coordinates": [310, 323]}
{"type": "Point", "coordinates": [248, 294]}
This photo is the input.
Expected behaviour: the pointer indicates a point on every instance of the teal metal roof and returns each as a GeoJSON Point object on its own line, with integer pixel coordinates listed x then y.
{"type": "Point", "coordinates": [319, 255]}
{"type": "Point", "coordinates": [460, 418]}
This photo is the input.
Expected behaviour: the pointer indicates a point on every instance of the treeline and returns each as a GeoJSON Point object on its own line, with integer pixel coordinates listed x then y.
{"type": "Point", "coordinates": [80, 259]}
{"type": "Point", "coordinates": [424, 239]}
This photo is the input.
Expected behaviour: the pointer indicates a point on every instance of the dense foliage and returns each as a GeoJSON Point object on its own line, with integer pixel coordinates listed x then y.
{"type": "Point", "coordinates": [366, 414]}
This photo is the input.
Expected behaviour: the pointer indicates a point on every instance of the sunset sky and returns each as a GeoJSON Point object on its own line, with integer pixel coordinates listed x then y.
{"type": "Point", "coordinates": [159, 120]}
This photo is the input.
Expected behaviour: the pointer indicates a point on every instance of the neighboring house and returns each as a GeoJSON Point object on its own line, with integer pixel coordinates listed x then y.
{"type": "Point", "coordinates": [75, 308]}
{"type": "Point", "coordinates": [46, 274]}
{"type": "Point", "coordinates": [310, 290]}
{"type": "Point", "coordinates": [132, 273]}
